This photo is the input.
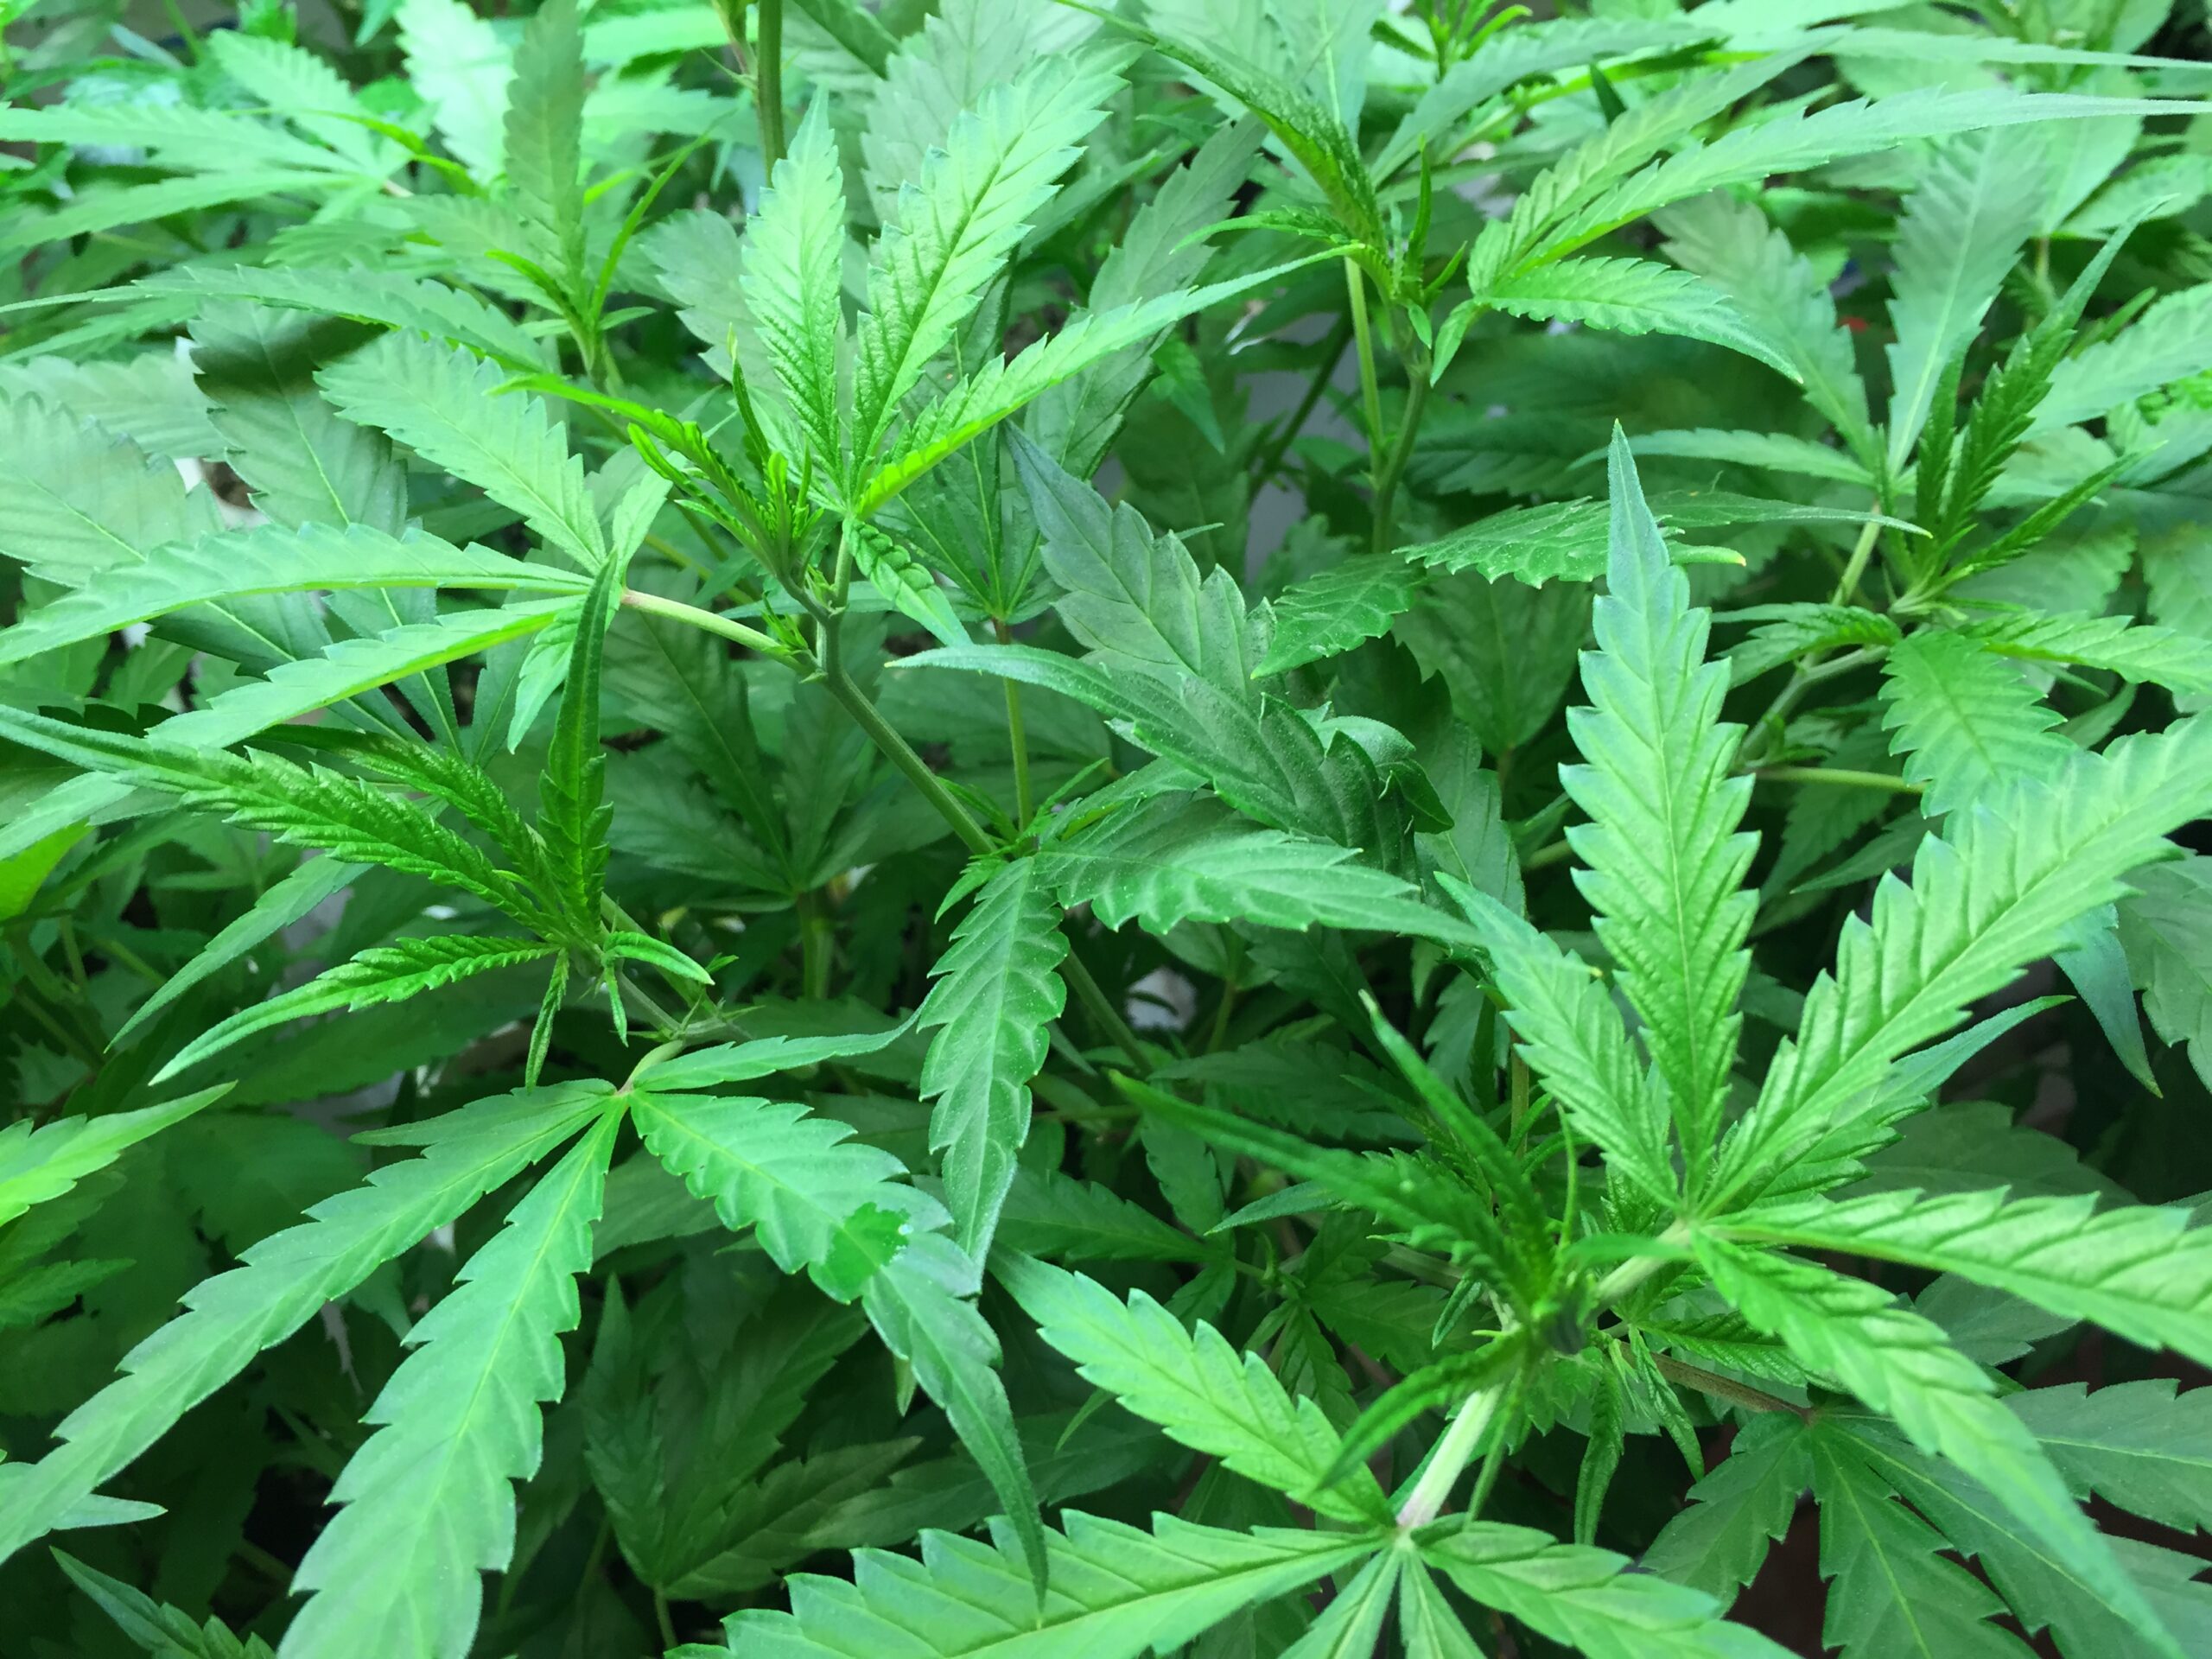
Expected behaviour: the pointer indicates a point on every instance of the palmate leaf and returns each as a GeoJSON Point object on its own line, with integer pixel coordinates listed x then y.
{"type": "Point", "coordinates": [40, 1164]}
{"type": "Point", "coordinates": [954, 226]}
{"type": "Point", "coordinates": [428, 1497]}
{"type": "Point", "coordinates": [1664, 862]}
{"type": "Point", "coordinates": [1901, 1365]}
{"type": "Point", "coordinates": [283, 1280]}
{"type": "Point", "coordinates": [268, 559]}
{"type": "Point", "coordinates": [1197, 1387]}
{"type": "Point", "coordinates": [1116, 1592]}
{"type": "Point", "coordinates": [997, 992]}
{"type": "Point", "coordinates": [383, 973]}
{"type": "Point", "coordinates": [2144, 654]}
{"type": "Point", "coordinates": [2141, 1271]}
{"type": "Point", "coordinates": [2168, 343]}
{"type": "Point", "coordinates": [1584, 1597]}
{"type": "Point", "coordinates": [1183, 859]}
{"type": "Point", "coordinates": [1995, 892]}
{"type": "Point", "coordinates": [1890, 1589]}
{"type": "Point", "coordinates": [2166, 932]}
{"type": "Point", "coordinates": [445, 403]}
{"type": "Point", "coordinates": [792, 248]}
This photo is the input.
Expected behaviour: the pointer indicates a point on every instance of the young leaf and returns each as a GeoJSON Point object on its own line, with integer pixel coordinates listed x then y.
{"type": "Point", "coordinates": [790, 277]}
{"type": "Point", "coordinates": [1665, 859]}
{"type": "Point", "coordinates": [544, 142]}
{"type": "Point", "coordinates": [573, 812]}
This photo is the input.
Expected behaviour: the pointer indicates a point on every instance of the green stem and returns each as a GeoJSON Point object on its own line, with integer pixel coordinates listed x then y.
{"type": "Point", "coordinates": [768, 84]}
{"type": "Point", "coordinates": [1401, 449]}
{"type": "Point", "coordinates": [1370, 396]}
{"type": "Point", "coordinates": [1837, 775]}
{"type": "Point", "coordinates": [711, 621]}
{"type": "Point", "coordinates": [896, 750]}
{"type": "Point", "coordinates": [1846, 588]}
{"type": "Point", "coordinates": [1634, 1271]}
{"type": "Point", "coordinates": [814, 936]}
{"type": "Point", "coordinates": [660, 1618]}
{"type": "Point", "coordinates": [1016, 736]}
{"type": "Point", "coordinates": [1455, 1450]}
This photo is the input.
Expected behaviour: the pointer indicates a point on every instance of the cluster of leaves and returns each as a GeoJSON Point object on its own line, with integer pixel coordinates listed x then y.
{"type": "Point", "coordinates": [727, 995]}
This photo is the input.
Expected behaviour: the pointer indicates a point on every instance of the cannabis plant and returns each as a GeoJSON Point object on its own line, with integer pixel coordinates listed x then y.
{"type": "Point", "coordinates": [1233, 827]}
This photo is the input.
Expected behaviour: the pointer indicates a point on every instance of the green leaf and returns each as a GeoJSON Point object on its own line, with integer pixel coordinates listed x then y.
{"type": "Point", "coordinates": [383, 973]}
{"type": "Point", "coordinates": [42, 1164]}
{"type": "Point", "coordinates": [1137, 600]}
{"type": "Point", "coordinates": [83, 502]}
{"type": "Point", "coordinates": [573, 812]}
{"type": "Point", "coordinates": [1718, 1542]}
{"type": "Point", "coordinates": [303, 806]}
{"type": "Point", "coordinates": [1631, 296]}
{"type": "Point", "coordinates": [2169, 342]}
{"type": "Point", "coordinates": [1665, 859]}
{"type": "Point", "coordinates": [389, 298]}
{"type": "Point", "coordinates": [458, 66]}
{"type": "Point", "coordinates": [1777, 452]}
{"type": "Point", "coordinates": [1117, 1593]}
{"type": "Point", "coordinates": [428, 1499]}
{"type": "Point", "coordinates": [1327, 615]}
{"type": "Point", "coordinates": [1965, 721]}
{"type": "Point", "coordinates": [1194, 1385]}
{"type": "Point", "coordinates": [763, 1057]}
{"type": "Point", "coordinates": [1568, 539]}
{"type": "Point", "coordinates": [2146, 654]}
{"type": "Point", "coordinates": [923, 1304]}
{"type": "Point", "coordinates": [282, 1282]}
{"type": "Point", "coordinates": [2138, 1445]}
{"type": "Point", "coordinates": [1585, 1598]}
{"type": "Point", "coordinates": [1791, 630]}
{"type": "Point", "coordinates": [2166, 931]}
{"type": "Point", "coordinates": [906, 583]}
{"type": "Point", "coordinates": [2140, 1270]}
{"type": "Point", "coordinates": [165, 1631]}
{"type": "Point", "coordinates": [267, 560]}
{"type": "Point", "coordinates": [303, 462]}
{"type": "Point", "coordinates": [1957, 240]}
{"type": "Point", "coordinates": [996, 991]}
{"type": "Point", "coordinates": [1995, 892]}
{"type": "Point", "coordinates": [793, 248]}
{"type": "Point", "coordinates": [446, 404]}
{"type": "Point", "coordinates": [1181, 859]}
{"type": "Point", "coordinates": [1729, 241]}
{"type": "Point", "coordinates": [544, 142]}
{"type": "Point", "coordinates": [957, 222]}
{"type": "Point", "coordinates": [1056, 1216]}
{"type": "Point", "coordinates": [293, 82]}
{"type": "Point", "coordinates": [1899, 1363]}
{"type": "Point", "coordinates": [1891, 1590]}
{"type": "Point", "coordinates": [821, 1203]}
{"type": "Point", "coordinates": [1574, 1039]}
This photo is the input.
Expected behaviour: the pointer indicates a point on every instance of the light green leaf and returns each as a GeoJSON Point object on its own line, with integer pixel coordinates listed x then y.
{"type": "Point", "coordinates": [446, 405]}
{"type": "Point", "coordinates": [1631, 296]}
{"type": "Point", "coordinates": [793, 248]}
{"type": "Point", "coordinates": [1720, 1541]}
{"type": "Point", "coordinates": [37, 1165]}
{"type": "Point", "coordinates": [428, 1499]}
{"type": "Point", "coordinates": [1776, 452]}
{"type": "Point", "coordinates": [284, 1281]}
{"type": "Point", "coordinates": [996, 991]}
{"type": "Point", "coordinates": [383, 973]}
{"type": "Point", "coordinates": [1965, 721]}
{"type": "Point", "coordinates": [1194, 1385]}
{"type": "Point", "coordinates": [544, 142]}
{"type": "Point", "coordinates": [1116, 1592]}
{"type": "Point", "coordinates": [1585, 1598]}
{"type": "Point", "coordinates": [2138, 1445]}
{"type": "Point", "coordinates": [1325, 615]}
{"type": "Point", "coordinates": [2165, 929]}
{"type": "Point", "coordinates": [1899, 1363]}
